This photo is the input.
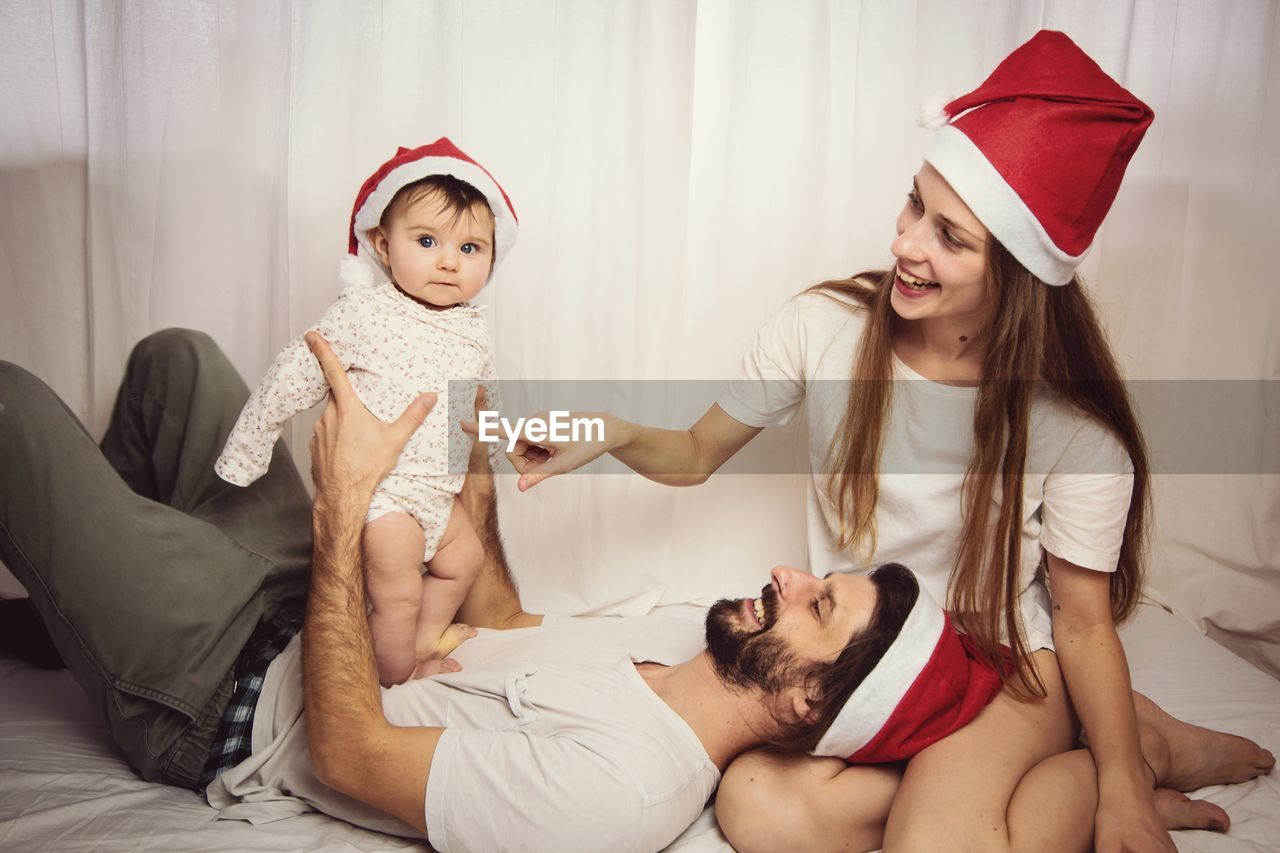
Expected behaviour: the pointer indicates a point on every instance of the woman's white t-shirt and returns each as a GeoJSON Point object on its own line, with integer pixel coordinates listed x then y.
{"type": "Point", "coordinates": [1076, 492]}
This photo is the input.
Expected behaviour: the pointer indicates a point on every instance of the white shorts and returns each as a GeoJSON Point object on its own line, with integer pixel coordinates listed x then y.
{"type": "Point", "coordinates": [417, 497]}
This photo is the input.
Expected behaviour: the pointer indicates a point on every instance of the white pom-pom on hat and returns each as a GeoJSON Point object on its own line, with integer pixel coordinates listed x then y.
{"type": "Point", "coordinates": [355, 272]}
{"type": "Point", "coordinates": [933, 114]}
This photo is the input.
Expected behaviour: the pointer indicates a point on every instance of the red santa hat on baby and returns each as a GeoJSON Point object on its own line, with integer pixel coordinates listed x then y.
{"type": "Point", "coordinates": [441, 157]}
{"type": "Point", "coordinates": [929, 683]}
{"type": "Point", "coordinates": [1038, 150]}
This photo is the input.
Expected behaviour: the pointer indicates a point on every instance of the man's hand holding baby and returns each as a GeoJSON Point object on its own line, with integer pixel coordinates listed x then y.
{"type": "Point", "coordinates": [351, 449]}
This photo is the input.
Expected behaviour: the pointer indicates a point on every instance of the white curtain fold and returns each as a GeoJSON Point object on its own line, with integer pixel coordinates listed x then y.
{"type": "Point", "coordinates": [679, 170]}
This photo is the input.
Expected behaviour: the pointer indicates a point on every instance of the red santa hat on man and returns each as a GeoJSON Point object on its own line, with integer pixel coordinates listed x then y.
{"type": "Point", "coordinates": [1038, 150]}
{"type": "Point", "coordinates": [929, 683]}
{"type": "Point", "coordinates": [441, 157]}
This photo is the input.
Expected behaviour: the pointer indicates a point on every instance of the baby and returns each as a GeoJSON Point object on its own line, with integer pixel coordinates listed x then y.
{"type": "Point", "coordinates": [437, 223]}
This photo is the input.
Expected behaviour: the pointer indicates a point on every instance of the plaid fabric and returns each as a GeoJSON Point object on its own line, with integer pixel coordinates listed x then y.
{"type": "Point", "coordinates": [233, 744]}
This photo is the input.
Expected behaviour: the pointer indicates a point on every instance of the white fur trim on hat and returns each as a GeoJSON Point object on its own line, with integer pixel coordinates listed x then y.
{"type": "Point", "coordinates": [874, 700]}
{"type": "Point", "coordinates": [998, 206]}
{"type": "Point", "coordinates": [370, 213]}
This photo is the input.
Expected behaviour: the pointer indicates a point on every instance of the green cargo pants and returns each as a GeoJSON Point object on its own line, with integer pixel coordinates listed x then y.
{"type": "Point", "coordinates": [149, 571]}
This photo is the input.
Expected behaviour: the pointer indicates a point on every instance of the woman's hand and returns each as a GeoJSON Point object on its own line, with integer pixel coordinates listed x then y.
{"type": "Point", "coordinates": [351, 449]}
{"type": "Point", "coordinates": [535, 461]}
{"type": "Point", "coordinates": [673, 457]}
{"type": "Point", "coordinates": [1130, 825]}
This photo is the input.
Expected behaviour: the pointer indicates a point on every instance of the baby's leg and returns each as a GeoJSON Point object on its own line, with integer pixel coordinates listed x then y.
{"type": "Point", "coordinates": [450, 573]}
{"type": "Point", "coordinates": [393, 548]}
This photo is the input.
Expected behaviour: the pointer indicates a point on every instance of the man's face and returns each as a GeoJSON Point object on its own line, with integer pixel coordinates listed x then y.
{"type": "Point", "coordinates": [799, 620]}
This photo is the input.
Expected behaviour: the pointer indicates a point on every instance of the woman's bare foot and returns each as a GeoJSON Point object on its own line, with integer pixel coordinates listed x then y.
{"type": "Point", "coordinates": [1178, 811]}
{"type": "Point", "coordinates": [1186, 757]}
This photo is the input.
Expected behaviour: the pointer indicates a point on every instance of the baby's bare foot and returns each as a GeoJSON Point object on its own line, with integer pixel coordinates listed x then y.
{"type": "Point", "coordinates": [1178, 811]}
{"type": "Point", "coordinates": [1198, 756]}
{"type": "Point", "coordinates": [435, 667]}
{"type": "Point", "coordinates": [452, 637]}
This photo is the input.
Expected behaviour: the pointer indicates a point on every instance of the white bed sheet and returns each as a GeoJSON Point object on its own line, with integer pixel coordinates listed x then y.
{"type": "Point", "coordinates": [62, 787]}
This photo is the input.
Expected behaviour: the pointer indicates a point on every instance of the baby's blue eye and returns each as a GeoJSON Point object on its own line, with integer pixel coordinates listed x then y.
{"type": "Point", "coordinates": [470, 248]}
{"type": "Point", "coordinates": [426, 241]}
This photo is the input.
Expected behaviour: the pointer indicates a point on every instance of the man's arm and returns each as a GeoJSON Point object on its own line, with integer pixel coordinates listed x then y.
{"type": "Point", "coordinates": [492, 601]}
{"type": "Point", "coordinates": [353, 747]}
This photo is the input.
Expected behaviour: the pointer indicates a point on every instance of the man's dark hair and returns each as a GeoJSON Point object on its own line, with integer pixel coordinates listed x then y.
{"type": "Point", "coordinates": [829, 685]}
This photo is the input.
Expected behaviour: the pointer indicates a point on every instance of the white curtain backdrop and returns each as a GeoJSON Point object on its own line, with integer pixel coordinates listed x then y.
{"type": "Point", "coordinates": [680, 169]}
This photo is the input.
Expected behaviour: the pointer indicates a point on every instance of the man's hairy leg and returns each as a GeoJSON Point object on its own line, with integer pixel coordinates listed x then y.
{"type": "Point", "coordinates": [494, 601]}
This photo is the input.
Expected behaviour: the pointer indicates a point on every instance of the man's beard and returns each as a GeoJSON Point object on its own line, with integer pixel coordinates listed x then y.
{"type": "Point", "coordinates": [747, 659]}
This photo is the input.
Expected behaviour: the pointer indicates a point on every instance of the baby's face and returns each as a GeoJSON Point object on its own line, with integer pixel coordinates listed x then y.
{"type": "Point", "coordinates": [437, 256]}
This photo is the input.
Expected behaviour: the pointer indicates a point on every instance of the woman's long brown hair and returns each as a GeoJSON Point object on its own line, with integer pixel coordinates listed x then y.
{"type": "Point", "coordinates": [1039, 336]}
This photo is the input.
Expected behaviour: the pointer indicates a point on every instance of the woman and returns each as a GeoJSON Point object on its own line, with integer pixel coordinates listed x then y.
{"type": "Point", "coordinates": [987, 442]}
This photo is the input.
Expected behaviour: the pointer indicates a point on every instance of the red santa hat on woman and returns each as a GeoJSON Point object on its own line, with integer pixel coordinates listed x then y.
{"type": "Point", "coordinates": [441, 157]}
{"type": "Point", "coordinates": [1038, 150]}
{"type": "Point", "coordinates": [929, 683]}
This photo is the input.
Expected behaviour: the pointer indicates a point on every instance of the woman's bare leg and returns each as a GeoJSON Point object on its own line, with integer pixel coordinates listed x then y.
{"type": "Point", "coordinates": [955, 795]}
{"type": "Point", "coordinates": [1040, 820]}
{"type": "Point", "coordinates": [788, 801]}
{"type": "Point", "coordinates": [770, 800]}
{"type": "Point", "coordinates": [1007, 780]}
{"type": "Point", "coordinates": [1180, 756]}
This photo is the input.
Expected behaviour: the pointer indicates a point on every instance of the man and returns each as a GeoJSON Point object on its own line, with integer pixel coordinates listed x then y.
{"type": "Point", "coordinates": [557, 743]}
{"type": "Point", "coordinates": [170, 597]}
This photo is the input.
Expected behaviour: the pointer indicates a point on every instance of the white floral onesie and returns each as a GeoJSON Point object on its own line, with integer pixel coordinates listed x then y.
{"type": "Point", "coordinates": [392, 348]}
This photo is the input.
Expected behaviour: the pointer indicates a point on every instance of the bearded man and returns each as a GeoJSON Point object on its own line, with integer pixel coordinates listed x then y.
{"type": "Point", "coordinates": [177, 603]}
